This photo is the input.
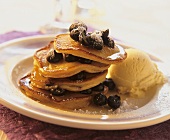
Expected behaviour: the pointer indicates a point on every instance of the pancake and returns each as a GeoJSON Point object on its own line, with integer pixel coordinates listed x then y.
{"type": "Point", "coordinates": [91, 80]}
{"type": "Point", "coordinates": [63, 69]}
{"type": "Point", "coordinates": [71, 100]}
{"type": "Point", "coordinates": [63, 43]}
{"type": "Point", "coordinates": [53, 80]}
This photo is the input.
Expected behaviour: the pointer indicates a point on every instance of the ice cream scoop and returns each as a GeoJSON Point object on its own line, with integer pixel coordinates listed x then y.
{"type": "Point", "coordinates": [136, 73]}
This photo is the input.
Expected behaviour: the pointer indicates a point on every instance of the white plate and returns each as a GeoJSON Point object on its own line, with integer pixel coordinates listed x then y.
{"type": "Point", "coordinates": [15, 61]}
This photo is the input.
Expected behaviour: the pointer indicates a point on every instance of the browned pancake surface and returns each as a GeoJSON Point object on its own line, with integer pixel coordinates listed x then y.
{"type": "Point", "coordinates": [71, 100]}
{"type": "Point", "coordinates": [92, 79]}
{"type": "Point", "coordinates": [63, 43]}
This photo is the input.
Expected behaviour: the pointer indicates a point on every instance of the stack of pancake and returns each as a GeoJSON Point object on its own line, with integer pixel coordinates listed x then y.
{"type": "Point", "coordinates": [46, 77]}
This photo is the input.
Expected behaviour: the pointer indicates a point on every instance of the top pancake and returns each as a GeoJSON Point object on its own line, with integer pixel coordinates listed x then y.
{"type": "Point", "coordinates": [63, 43]}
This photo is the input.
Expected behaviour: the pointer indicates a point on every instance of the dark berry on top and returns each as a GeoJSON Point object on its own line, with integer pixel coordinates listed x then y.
{"type": "Point", "coordinates": [74, 34]}
{"type": "Point", "coordinates": [109, 42]}
{"type": "Point", "coordinates": [76, 25]}
{"type": "Point", "coordinates": [114, 101]}
{"type": "Point", "coordinates": [54, 57]}
{"type": "Point", "coordinates": [86, 39]}
{"type": "Point", "coordinates": [58, 91]}
{"type": "Point", "coordinates": [84, 60]}
{"type": "Point", "coordinates": [87, 91]}
{"type": "Point", "coordinates": [79, 76]}
{"type": "Point", "coordinates": [97, 45]}
{"type": "Point", "coordinates": [82, 38]}
{"type": "Point", "coordinates": [105, 34]}
{"type": "Point", "coordinates": [95, 41]}
{"type": "Point", "coordinates": [82, 29]}
{"type": "Point", "coordinates": [70, 58]}
{"type": "Point", "coordinates": [99, 87]}
{"type": "Point", "coordinates": [109, 83]}
{"type": "Point", "coordinates": [100, 99]}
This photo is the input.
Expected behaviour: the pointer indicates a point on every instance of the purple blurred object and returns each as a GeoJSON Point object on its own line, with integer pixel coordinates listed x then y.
{"type": "Point", "coordinates": [18, 126]}
{"type": "Point", "coordinates": [16, 34]}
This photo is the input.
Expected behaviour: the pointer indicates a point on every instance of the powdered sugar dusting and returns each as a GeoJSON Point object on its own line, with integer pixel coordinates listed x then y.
{"type": "Point", "coordinates": [125, 107]}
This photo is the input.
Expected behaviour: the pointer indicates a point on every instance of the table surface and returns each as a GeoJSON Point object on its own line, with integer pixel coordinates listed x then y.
{"type": "Point", "coordinates": [142, 24]}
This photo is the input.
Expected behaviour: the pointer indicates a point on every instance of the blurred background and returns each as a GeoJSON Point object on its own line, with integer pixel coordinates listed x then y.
{"type": "Point", "coordinates": [143, 24]}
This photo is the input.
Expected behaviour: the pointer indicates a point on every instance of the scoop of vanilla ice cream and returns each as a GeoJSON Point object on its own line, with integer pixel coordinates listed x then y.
{"type": "Point", "coordinates": [136, 73]}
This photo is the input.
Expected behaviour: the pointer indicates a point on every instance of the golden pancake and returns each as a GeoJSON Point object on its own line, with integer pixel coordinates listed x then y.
{"type": "Point", "coordinates": [63, 69]}
{"type": "Point", "coordinates": [91, 80]}
{"type": "Point", "coordinates": [55, 82]}
{"type": "Point", "coordinates": [71, 100]}
{"type": "Point", "coordinates": [63, 43]}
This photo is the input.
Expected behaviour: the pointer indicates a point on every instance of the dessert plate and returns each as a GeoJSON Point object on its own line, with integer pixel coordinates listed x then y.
{"type": "Point", "coordinates": [16, 61]}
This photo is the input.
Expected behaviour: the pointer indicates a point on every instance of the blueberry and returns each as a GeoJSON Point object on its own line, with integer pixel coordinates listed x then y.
{"type": "Point", "coordinates": [82, 38]}
{"type": "Point", "coordinates": [109, 42]}
{"type": "Point", "coordinates": [77, 34]}
{"type": "Point", "coordinates": [97, 45]}
{"type": "Point", "coordinates": [76, 25]}
{"type": "Point", "coordinates": [95, 41]}
{"type": "Point", "coordinates": [54, 57]}
{"type": "Point", "coordinates": [105, 34]}
{"type": "Point", "coordinates": [58, 91]}
{"type": "Point", "coordinates": [74, 34]}
{"type": "Point", "coordinates": [100, 99]}
{"type": "Point", "coordinates": [99, 87]}
{"type": "Point", "coordinates": [87, 91]}
{"type": "Point", "coordinates": [114, 101]}
{"type": "Point", "coordinates": [70, 58]}
{"type": "Point", "coordinates": [109, 83]}
{"type": "Point", "coordinates": [86, 39]}
{"type": "Point", "coordinates": [84, 60]}
{"type": "Point", "coordinates": [78, 76]}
